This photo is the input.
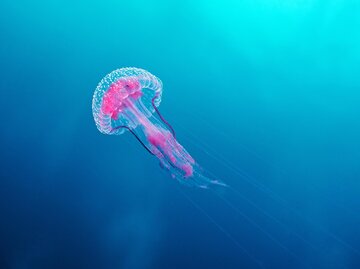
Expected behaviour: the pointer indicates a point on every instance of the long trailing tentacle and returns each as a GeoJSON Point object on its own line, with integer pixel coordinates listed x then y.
{"type": "Point", "coordinates": [222, 229]}
{"type": "Point", "coordinates": [162, 118]}
{"type": "Point", "coordinates": [131, 131]}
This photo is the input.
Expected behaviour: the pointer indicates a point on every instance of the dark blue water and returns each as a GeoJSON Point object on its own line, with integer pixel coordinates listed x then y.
{"type": "Point", "coordinates": [264, 94]}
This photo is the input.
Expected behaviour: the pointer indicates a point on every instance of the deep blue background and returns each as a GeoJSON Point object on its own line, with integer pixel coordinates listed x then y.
{"type": "Point", "coordinates": [263, 93]}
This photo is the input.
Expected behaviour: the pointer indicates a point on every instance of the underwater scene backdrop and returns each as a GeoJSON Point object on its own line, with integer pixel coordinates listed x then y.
{"type": "Point", "coordinates": [264, 94]}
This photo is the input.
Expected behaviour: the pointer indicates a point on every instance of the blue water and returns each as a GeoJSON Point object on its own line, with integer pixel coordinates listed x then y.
{"type": "Point", "coordinates": [263, 93]}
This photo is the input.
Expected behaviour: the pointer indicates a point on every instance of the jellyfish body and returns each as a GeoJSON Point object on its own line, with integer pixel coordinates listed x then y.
{"type": "Point", "coordinates": [127, 99]}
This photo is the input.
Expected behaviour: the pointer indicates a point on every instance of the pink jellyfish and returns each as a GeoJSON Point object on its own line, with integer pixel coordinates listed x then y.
{"type": "Point", "coordinates": [126, 99]}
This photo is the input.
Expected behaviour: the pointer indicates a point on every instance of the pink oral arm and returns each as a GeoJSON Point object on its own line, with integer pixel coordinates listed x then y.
{"type": "Point", "coordinates": [170, 152]}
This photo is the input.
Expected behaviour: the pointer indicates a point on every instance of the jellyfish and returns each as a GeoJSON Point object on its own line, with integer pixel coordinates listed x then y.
{"type": "Point", "coordinates": [127, 99]}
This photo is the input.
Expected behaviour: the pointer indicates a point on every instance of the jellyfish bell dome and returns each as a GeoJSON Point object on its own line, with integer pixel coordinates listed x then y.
{"type": "Point", "coordinates": [121, 89]}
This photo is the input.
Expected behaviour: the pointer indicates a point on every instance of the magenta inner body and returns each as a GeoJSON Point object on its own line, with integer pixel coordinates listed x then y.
{"type": "Point", "coordinates": [123, 99]}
